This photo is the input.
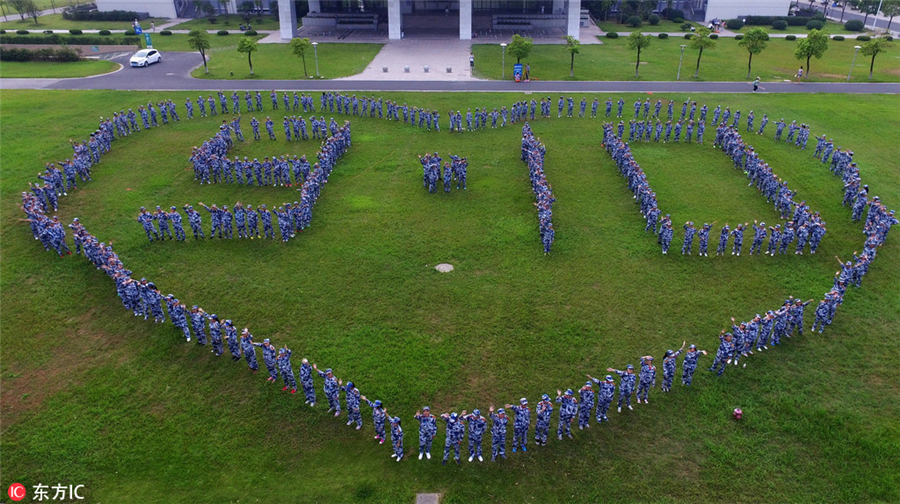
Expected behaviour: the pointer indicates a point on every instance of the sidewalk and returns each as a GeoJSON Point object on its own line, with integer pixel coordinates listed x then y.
{"type": "Point", "coordinates": [436, 54]}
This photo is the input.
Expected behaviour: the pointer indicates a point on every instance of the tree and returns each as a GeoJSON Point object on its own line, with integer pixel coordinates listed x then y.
{"type": "Point", "coordinates": [259, 8]}
{"type": "Point", "coordinates": [299, 46]}
{"type": "Point", "coordinates": [866, 7]}
{"type": "Point", "coordinates": [26, 8]}
{"type": "Point", "coordinates": [701, 41]}
{"type": "Point", "coordinates": [248, 45]}
{"type": "Point", "coordinates": [520, 47]}
{"type": "Point", "coordinates": [638, 40]}
{"type": "Point", "coordinates": [223, 4]}
{"type": "Point", "coordinates": [19, 6]}
{"type": "Point", "coordinates": [32, 10]}
{"type": "Point", "coordinates": [199, 41]}
{"type": "Point", "coordinates": [873, 48]}
{"type": "Point", "coordinates": [246, 8]}
{"type": "Point", "coordinates": [573, 45]}
{"type": "Point", "coordinates": [890, 8]}
{"type": "Point", "coordinates": [815, 44]}
{"type": "Point", "coordinates": [754, 41]}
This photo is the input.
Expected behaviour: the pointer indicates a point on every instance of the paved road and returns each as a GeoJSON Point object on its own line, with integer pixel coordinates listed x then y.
{"type": "Point", "coordinates": [173, 74]}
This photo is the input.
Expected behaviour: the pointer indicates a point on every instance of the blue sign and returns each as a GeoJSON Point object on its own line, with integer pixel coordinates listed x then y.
{"type": "Point", "coordinates": [517, 69]}
{"type": "Point", "coordinates": [147, 38]}
{"type": "Point", "coordinates": [138, 30]}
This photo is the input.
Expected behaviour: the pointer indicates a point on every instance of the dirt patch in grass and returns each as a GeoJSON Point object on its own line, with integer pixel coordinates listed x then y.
{"type": "Point", "coordinates": [30, 388]}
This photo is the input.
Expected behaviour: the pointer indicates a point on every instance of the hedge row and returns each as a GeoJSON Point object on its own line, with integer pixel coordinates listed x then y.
{"type": "Point", "coordinates": [116, 15]}
{"type": "Point", "coordinates": [769, 20]}
{"type": "Point", "coordinates": [63, 54]}
{"type": "Point", "coordinates": [56, 39]}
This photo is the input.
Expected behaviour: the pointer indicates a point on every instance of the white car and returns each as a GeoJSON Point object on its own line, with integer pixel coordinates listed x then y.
{"type": "Point", "coordinates": [145, 57]}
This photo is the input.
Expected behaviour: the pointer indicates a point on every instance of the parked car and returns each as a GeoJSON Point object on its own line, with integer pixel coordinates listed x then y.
{"type": "Point", "coordinates": [145, 57]}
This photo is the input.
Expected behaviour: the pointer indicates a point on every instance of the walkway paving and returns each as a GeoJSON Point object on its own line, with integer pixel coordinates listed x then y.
{"type": "Point", "coordinates": [436, 54]}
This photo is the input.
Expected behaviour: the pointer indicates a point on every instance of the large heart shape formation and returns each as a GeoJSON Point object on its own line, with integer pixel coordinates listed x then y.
{"type": "Point", "coordinates": [51, 233]}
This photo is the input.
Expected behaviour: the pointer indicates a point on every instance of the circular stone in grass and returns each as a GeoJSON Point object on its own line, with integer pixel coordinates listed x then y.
{"type": "Point", "coordinates": [444, 267]}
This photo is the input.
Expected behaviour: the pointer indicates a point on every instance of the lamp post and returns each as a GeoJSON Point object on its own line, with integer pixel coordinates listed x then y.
{"type": "Point", "coordinates": [679, 62]}
{"type": "Point", "coordinates": [503, 53]}
{"type": "Point", "coordinates": [316, 51]}
{"type": "Point", "coordinates": [853, 63]}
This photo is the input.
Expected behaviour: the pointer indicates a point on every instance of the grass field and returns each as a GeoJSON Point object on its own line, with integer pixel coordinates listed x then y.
{"type": "Point", "coordinates": [275, 61]}
{"type": "Point", "coordinates": [727, 61]}
{"type": "Point", "coordinates": [233, 22]}
{"type": "Point", "coordinates": [93, 396]}
{"type": "Point", "coordinates": [56, 22]}
{"type": "Point", "coordinates": [43, 69]}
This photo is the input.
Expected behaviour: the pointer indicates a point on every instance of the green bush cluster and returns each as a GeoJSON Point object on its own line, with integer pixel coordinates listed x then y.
{"type": "Point", "coordinates": [612, 35]}
{"type": "Point", "coordinates": [854, 25]}
{"type": "Point", "coordinates": [57, 39]}
{"type": "Point", "coordinates": [85, 15]}
{"type": "Point", "coordinates": [61, 55]}
{"type": "Point", "coordinates": [663, 35]}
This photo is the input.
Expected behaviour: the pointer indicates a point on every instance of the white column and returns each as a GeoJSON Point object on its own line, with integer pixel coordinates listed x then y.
{"type": "Point", "coordinates": [315, 6]}
{"type": "Point", "coordinates": [559, 6]}
{"type": "Point", "coordinates": [394, 19]}
{"type": "Point", "coordinates": [465, 19]}
{"type": "Point", "coordinates": [287, 19]}
{"type": "Point", "coordinates": [574, 18]}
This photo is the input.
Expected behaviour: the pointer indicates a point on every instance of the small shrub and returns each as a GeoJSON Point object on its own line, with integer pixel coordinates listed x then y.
{"type": "Point", "coordinates": [2, 32]}
{"type": "Point", "coordinates": [739, 36]}
{"type": "Point", "coordinates": [48, 32]}
{"type": "Point", "coordinates": [713, 36]}
{"type": "Point", "coordinates": [76, 32]}
{"type": "Point", "coordinates": [888, 38]}
{"type": "Point", "coordinates": [790, 37]}
{"type": "Point", "coordinates": [663, 36]}
{"type": "Point", "coordinates": [653, 19]}
{"type": "Point", "coordinates": [165, 33]}
{"type": "Point", "coordinates": [21, 32]}
{"type": "Point", "coordinates": [612, 35]}
{"type": "Point", "coordinates": [686, 26]}
{"type": "Point", "coordinates": [864, 38]}
{"type": "Point", "coordinates": [815, 24]}
{"type": "Point", "coordinates": [838, 38]}
{"type": "Point", "coordinates": [688, 36]}
{"type": "Point", "coordinates": [129, 32]}
{"type": "Point", "coordinates": [633, 21]}
{"type": "Point", "coordinates": [212, 20]}
{"type": "Point", "coordinates": [222, 33]}
{"type": "Point", "coordinates": [734, 24]}
{"type": "Point", "coordinates": [251, 33]}
{"type": "Point", "coordinates": [678, 20]}
{"type": "Point", "coordinates": [779, 24]}
{"type": "Point", "coordinates": [673, 14]}
{"type": "Point", "coordinates": [104, 33]}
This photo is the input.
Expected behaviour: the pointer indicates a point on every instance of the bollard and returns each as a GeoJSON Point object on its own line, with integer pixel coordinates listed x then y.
{"type": "Point", "coordinates": [406, 68]}
{"type": "Point", "coordinates": [426, 68]}
{"type": "Point", "coordinates": [449, 69]}
{"type": "Point", "coordinates": [384, 69]}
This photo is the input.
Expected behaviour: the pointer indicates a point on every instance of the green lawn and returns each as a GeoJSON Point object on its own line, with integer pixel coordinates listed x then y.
{"type": "Point", "coordinates": [830, 26]}
{"type": "Point", "coordinates": [44, 69]}
{"type": "Point", "coordinates": [275, 61]}
{"type": "Point", "coordinates": [727, 61]}
{"type": "Point", "coordinates": [233, 22]}
{"type": "Point", "coordinates": [179, 42]}
{"type": "Point", "coordinates": [93, 396]}
{"type": "Point", "coordinates": [663, 27]}
{"type": "Point", "coordinates": [56, 22]}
